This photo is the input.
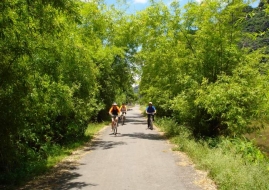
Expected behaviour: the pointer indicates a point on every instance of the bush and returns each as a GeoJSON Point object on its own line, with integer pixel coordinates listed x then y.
{"type": "Point", "coordinates": [233, 103]}
{"type": "Point", "coordinates": [232, 163]}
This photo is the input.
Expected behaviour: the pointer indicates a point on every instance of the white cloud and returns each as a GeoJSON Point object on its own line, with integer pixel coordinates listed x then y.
{"type": "Point", "coordinates": [140, 1]}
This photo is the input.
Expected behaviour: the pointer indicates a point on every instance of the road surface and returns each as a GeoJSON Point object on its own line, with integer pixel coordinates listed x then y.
{"type": "Point", "coordinates": [135, 159]}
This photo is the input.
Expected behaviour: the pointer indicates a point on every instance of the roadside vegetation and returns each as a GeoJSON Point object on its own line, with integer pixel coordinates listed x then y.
{"type": "Point", "coordinates": [55, 155]}
{"type": "Point", "coordinates": [232, 163]}
{"type": "Point", "coordinates": [58, 72]}
{"type": "Point", "coordinates": [208, 79]}
{"type": "Point", "coordinates": [204, 66]}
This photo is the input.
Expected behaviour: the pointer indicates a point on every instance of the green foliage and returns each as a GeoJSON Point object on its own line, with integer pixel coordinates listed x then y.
{"type": "Point", "coordinates": [64, 62]}
{"type": "Point", "coordinates": [54, 152]}
{"type": "Point", "coordinates": [233, 103]}
{"type": "Point", "coordinates": [243, 147]}
{"type": "Point", "coordinates": [170, 127]}
{"type": "Point", "coordinates": [61, 67]}
{"type": "Point", "coordinates": [256, 23]}
{"type": "Point", "coordinates": [230, 162]}
{"type": "Point", "coordinates": [113, 49]}
{"type": "Point", "coordinates": [195, 71]}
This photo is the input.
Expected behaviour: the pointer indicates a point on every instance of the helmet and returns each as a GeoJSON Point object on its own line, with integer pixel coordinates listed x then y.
{"type": "Point", "coordinates": [114, 104]}
{"type": "Point", "coordinates": [150, 102]}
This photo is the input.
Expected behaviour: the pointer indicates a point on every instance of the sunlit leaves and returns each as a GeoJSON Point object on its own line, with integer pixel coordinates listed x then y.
{"type": "Point", "coordinates": [39, 96]}
{"type": "Point", "coordinates": [180, 50]}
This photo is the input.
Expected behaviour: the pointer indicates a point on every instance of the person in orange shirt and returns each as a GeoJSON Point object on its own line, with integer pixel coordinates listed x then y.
{"type": "Point", "coordinates": [114, 111]}
{"type": "Point", "coordinates": [123, 109]}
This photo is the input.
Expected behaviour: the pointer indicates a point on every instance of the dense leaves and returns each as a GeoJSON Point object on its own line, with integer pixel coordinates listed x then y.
{"type": "Point", "coordinates": [256, 22]}
{"type": "Point", "coordinates": [196, 70]}
{"type": "Point", "coordinates": [62, 64]}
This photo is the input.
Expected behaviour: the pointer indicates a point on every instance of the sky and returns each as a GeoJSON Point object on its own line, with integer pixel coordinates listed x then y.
{"type": "Point", "coordinates": [136, 5]}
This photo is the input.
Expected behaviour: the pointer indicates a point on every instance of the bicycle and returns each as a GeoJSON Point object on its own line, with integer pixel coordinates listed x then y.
{"type": "Point", "coordinates": [123, 118]}
{"type": "Point", "coordinates": [150, 121]}
{"type": "Point", "coordinates": [115, 125]}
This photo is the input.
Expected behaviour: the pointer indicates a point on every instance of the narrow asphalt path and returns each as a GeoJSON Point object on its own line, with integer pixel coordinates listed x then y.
{"type": "Point", "coordinates": [135, 159]}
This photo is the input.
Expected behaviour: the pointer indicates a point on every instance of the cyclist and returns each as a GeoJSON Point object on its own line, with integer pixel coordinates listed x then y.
{"type": "Point", "coordinates": [123, 109]}
{"type": "Point", "coordinates": [114, 111]}
{"type": "Point", "coordinates": [150, 110]}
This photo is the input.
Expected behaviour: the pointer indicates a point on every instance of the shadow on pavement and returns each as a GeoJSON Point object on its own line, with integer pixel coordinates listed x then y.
{"type": "Point", "coordinates": [58, 178]}
{"type": "Point", "coordinates": [65, 184]}
{"type": "Point", "coordinates": [136, 122]}
{"type": "Point", "coordinates": [144, 136]}
{"type": "Point", "coordinates": [135, 116]}
{"type": "Point", "coordinates": [104, 144]}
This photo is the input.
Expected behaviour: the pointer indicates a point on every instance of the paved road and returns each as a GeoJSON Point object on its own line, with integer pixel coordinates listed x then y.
{"type": "Point", "coordinates": [136, 159]}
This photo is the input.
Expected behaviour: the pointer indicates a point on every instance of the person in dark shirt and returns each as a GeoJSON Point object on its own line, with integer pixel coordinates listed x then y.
{"type": "Point", "coordinates": [150, 110]}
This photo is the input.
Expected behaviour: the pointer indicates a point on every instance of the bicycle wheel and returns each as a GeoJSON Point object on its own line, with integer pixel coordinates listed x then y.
{"type": "Point", "coordinates": [151, 123]}
{"type": "Point", "coordinates": [115, 129]}
{"type": "Point", "coordinates": [122, 119]}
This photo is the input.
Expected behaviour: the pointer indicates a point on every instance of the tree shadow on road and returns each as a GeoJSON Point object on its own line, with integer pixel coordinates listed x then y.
{"type": "Point", "coordinates": [148, 136]}
{"type": "Point", "coordinates": [136, 122]}
{"type": "Point", "coordinates": [104, 145]}
{"type": "Point", "coordinates": [59, 177]}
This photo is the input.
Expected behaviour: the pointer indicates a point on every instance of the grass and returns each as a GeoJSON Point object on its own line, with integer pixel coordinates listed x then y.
{"type": "Point", "coordinates": [62, 152]}
{"type": "Point", "coordinates": [55, 153]}
{"type": "Point", "coordinates": [231, 163]}
{"type": "Point", "coordinates": [261, 139]}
